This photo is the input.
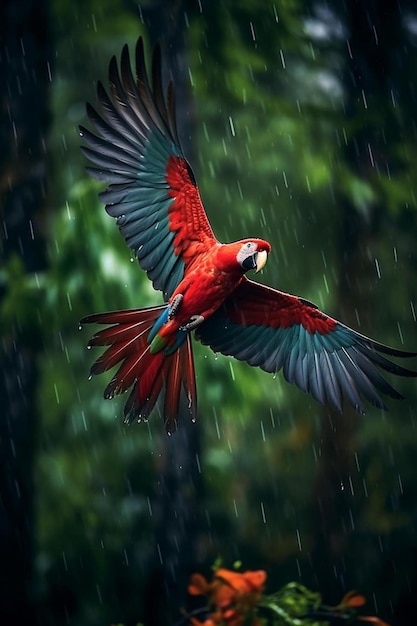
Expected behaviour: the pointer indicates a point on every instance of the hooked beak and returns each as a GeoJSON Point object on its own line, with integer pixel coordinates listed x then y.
{"type": "Point", "coordinates": [261, 259]}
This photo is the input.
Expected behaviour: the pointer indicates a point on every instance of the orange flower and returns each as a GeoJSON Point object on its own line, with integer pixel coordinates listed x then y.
{"type": "Point", "coordinates": [198, 585]}
{"type": "Point", "coordinates": [233, 595]}
{"type": "Point", "coordinates": [351, 598]}
{"type": "Point", "coordinates": [247, 582]}
{"type": "Point", "coordinates": [354, 600]}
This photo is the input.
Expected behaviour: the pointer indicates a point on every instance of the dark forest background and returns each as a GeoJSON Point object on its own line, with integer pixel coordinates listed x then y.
{"type": "Point", "coordinates": [300, 121]}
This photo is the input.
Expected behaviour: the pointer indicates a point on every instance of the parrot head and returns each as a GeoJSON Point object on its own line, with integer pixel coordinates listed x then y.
{"type": "Point", "coordinates": [244, 255]}
{"type": "Point", "coordinates": [253, 254]}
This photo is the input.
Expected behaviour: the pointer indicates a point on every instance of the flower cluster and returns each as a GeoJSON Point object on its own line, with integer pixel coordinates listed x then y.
{"type": "Point", "coordinates": [237, 599]}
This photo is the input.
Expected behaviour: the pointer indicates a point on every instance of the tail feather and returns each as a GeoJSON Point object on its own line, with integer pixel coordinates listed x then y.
{"type": "Point", "coordinates": [117, 333]}
{"type": "Point", "coordinates": [123, 317]}
{"type": "Point", "coordinates": [146, 390]}
{"type": "Point", "coordinates": [126, 375]}
{"type": "Point", "coordinates": [127, 343]}
{"type": "Point", "coordinates": [125, 346]}
{"type": "Point", "coordinates": [172, 392]}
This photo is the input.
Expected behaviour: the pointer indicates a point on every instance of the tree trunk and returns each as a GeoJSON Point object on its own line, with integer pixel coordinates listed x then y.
{"type": "Point", "coordinates": [24, 72]}
{"type": "Point", "coordinates": [181, 481]}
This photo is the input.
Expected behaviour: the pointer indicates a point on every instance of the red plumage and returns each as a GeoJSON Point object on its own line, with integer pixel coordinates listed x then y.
{"type": "Point", "coordinates": [127, 341]}
{"type": "Point", "coordinates": [153, 195]}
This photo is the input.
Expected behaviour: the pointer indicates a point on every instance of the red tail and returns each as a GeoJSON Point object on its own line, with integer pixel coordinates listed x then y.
{"type": "Point", "coordinates": [149, 374]}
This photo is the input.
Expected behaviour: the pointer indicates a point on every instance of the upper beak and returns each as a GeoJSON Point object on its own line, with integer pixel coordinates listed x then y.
{"type": "Point", "coordinates": [261, 259]}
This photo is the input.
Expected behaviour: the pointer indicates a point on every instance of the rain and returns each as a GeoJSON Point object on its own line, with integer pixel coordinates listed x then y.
{"type": "Point", "coordinates": [298, 121]}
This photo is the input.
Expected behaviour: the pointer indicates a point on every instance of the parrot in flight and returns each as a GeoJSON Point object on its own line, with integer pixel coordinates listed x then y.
{"type": "Point", "coordinates": [153, 196]}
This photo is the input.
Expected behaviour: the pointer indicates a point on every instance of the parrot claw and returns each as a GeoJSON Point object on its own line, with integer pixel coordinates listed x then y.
{"type": "Point", "coordinates": [174, 306]}
{"type": "Point", "coordinates": [195, 320]}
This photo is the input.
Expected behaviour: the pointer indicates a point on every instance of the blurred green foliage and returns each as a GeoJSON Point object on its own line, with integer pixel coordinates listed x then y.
{"type": "Point", "coordinates": [270, 136]}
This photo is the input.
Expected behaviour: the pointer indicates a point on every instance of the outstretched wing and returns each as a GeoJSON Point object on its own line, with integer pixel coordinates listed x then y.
{"type": "Point", "coordinates": [274, 330]}
{"type": "Point", "coordinates": [152, 192]}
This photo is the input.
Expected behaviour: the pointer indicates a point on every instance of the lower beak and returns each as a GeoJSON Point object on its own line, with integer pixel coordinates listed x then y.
{"type": "Point", "coordinates": [261, 259]}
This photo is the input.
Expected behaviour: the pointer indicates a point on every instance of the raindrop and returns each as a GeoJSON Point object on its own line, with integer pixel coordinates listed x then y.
{"type": "Point", "coordinates": [149, 506]}
{"type": "Point", "coordinates": [197, 460]}
{"type": "Point", "coordinates": [400, 484]}
{"type": "Point", "coordinates": [371, 156]}
{"type": "Point", "coordinates": [365, 104]}
{"type": "Point", "coordinates": [80, 327]}
{"type": "Point", "coordinates": [90, 377]}
{"type": "Point", "coordinates": [413, 311]}
{"type": "Point", "coordinates": [365, 489]}
{"type": "Point", "coordinates": [349, 48]}
{"type": "Point", "coordinates": [325, 283]}
{"type": "Point", "coordinates": [131, 259]}
{"type": "Point", "coordinates": [99, 594]}
{"type": "Point", "coordinates": [88, 347]}
{"type": "Point", "coordinates": [56, 394]}
{"type": "Point", "coordinates": [400, 333]}
{"type": "Point", "coordinates": [357, 462]}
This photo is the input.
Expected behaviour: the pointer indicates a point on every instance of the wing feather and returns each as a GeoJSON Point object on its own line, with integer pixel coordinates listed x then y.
{"type": "Point", "coordinates": [134, 147]}
{"type": "Point", "coordinates": [275, 330]}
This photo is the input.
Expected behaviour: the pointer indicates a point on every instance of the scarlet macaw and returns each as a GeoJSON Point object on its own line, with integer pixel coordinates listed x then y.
{"type": "Point", "coordinates": [153, 195]}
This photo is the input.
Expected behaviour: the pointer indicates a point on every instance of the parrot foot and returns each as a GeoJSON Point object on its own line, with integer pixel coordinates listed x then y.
{"type": "Point", "coordinates": [174, 306]}
{"type": "Point", "coordinates": [195, 320]}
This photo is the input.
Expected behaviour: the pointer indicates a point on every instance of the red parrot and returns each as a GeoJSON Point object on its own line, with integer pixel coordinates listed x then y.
{"type": "Point", "coordinates": [153, 195]}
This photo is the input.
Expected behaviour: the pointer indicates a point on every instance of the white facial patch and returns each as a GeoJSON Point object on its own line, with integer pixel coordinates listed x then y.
{"type": "Point", "coordinates": [248, 249]}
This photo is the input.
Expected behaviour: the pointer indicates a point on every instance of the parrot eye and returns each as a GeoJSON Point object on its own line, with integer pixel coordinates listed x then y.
{"type": "Point", "coordinates": [247, 250]}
